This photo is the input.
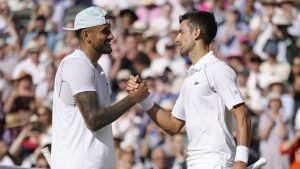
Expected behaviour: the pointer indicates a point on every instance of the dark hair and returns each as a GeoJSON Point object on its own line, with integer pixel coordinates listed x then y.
{"type": "Point", "coordinates": [41, 18]}
{"type": "Point", "coordinates": [41, 33]}
{"type": "Point", "coordinates": [203, 20]}
{"type": "Point", "coordinates": [77, 33]}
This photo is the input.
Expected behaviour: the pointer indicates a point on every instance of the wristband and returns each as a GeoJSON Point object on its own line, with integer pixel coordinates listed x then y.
{"type": "Point", "coordinates": [147, 104]}
{"type": "Point", "coordinates": [242, 153]}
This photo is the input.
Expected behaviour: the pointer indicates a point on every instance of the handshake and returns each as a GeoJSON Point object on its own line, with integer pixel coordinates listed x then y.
{"type": "Point", "coordinates": [137, 89]}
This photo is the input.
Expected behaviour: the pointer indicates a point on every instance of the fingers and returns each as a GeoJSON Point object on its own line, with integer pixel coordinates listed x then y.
{"type": "Point", "coordinates": [138, 79]}
{"type": "Point", "coordinates": [133, 82]}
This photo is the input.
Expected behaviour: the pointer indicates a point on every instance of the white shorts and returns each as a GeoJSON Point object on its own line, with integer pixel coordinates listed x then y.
{"type": "Point", "coordinates": [206, 166]}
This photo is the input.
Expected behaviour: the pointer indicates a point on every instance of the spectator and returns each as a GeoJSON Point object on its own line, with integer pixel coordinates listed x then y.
{"type": "Point", "coordinates": [31, 64]}
{"type": "Point", "coordinates": [272, 131]}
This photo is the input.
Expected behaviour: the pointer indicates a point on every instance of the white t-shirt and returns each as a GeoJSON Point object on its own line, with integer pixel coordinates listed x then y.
{"type": "Point", "coordinates": [73, 144]}
{"type": "Point", "coordinates": [36, 71]}
{"type": "Point", "coordinates": [208, 88]}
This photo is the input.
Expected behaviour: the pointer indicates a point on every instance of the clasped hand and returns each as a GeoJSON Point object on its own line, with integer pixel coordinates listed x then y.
{"type": "Point", "coordinates": [137, 89]}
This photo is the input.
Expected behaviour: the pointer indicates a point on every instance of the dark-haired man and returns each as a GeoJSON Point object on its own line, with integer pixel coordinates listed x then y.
{"type": "Point", "coordinates": [208, 90]}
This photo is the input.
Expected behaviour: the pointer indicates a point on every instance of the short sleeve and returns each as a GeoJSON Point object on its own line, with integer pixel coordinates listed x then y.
{"type": "Point", "coordinates": [178, 109]}
{"type": "Point", "coordinates": [78, 74]}
{"type": "Point", "coordinates": [225, 85]}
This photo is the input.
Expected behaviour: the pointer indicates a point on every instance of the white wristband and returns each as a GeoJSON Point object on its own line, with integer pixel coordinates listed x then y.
{"type": "Point", "coordinates": [242, 153]}
{"type": "Point", "coordinates": [147, 104]}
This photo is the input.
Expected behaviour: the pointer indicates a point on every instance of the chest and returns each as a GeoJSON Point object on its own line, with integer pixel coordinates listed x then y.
{"type": "Point", "coordinates": [197, 85]}
{"type": "Point", "coordinates": [102, 87]}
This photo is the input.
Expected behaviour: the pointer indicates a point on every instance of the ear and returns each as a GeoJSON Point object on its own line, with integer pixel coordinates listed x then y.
{"type": "Point", "coordinates": [87, 35]}
{"type": "Point", "coordinates": [197, 33]}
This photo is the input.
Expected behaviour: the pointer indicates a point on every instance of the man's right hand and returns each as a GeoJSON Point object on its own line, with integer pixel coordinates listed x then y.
{"type": "Point", "coordinates": [137, 89]}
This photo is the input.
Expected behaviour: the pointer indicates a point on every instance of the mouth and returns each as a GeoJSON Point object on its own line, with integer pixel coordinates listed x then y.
{"type": "Point", "coordinates": [107, 43]}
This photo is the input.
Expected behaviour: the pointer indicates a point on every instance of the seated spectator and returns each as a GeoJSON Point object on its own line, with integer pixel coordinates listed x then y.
{"type": "Point", "coordinates": [22, 96]}
{"type": "Point", "coordinates": [159, 159]}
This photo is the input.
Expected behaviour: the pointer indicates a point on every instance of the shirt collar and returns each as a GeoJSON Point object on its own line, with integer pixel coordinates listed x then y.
{"type": "Point", "coordinates": [202, 61]}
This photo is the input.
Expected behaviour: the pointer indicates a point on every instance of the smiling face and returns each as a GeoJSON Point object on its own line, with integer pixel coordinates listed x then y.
{"type": "Point", "coordinates": [184, 38]}
{"type": "Point", "coordinates": [100, 38]}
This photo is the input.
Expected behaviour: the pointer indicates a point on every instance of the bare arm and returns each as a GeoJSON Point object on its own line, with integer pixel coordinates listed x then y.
{"type": "Point", "coordinates": [165, 120]}
{"type": "Point", "coordinates": [96, 118]}
{"type": "Point", "coordinates": [243, 124]}
{"type": "Point", "coordinates": [288, 144]}
{"type": "Point", "coordinates": [264, 134]}
{"type": "Point", "coordinates": [160, 116]}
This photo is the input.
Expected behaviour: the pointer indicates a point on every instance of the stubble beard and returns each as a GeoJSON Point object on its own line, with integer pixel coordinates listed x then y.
{"type": "Point", "coordinates": [105, 49]}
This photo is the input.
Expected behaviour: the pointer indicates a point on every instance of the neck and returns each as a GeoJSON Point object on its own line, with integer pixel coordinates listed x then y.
{"type": "Point", "coordinates": [91, 53]}
{"type": "Point", "coordinates": [198, 53]}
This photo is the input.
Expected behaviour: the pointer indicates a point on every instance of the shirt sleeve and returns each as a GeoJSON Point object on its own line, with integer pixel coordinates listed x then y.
{"type": "Point", "coordinates": [79, 75]}
{"type": "Point", "coordinates": [225, 85]}
{"type": "Point", "coordinates": [178, 109]}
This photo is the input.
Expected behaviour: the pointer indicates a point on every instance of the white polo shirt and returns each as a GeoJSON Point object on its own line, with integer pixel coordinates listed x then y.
{"type": "Point", "coordinates": [74, 146]}
{"type": "Point", "coordinates": [201, 104]}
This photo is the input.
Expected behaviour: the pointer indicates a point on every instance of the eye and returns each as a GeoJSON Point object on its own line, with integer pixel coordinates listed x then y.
{"type": "Point", "coordinates": [106, 31]}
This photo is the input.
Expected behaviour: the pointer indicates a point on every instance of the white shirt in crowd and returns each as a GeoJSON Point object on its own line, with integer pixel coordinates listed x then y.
{"type": "Point", "coordinates": [36, 71]}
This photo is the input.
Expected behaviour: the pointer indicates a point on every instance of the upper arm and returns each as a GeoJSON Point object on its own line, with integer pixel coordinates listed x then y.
{"type": "Point", "coordinates": [88, 105]}
{"type": "Point", "coordinates": [80, 78]}
{"type": "Point", "coordinates": [79, 75]}
{"type": "Point", "coordinates": [224, 81]}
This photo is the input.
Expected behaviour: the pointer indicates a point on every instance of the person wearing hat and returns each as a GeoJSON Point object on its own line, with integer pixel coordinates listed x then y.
{"type": "Point", "coordinates": [208, 91]}
{"type": "Point", "coordinates": [31, 64]}
{"type": "Point", "coordinates": [272, 131]}
{"type": "Point", "coordinates": [82, 113]}
{"type": "Point", "coordinates": [262, 18]}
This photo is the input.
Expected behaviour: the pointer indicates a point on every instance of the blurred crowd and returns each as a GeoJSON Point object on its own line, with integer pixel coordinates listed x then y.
{"type": "Point", "coordinates": [259, 39]}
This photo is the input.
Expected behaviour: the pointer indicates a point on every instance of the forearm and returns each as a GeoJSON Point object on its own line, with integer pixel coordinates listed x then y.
{"type": "Point", "coordinates": [264, 134]}
{"type": "Point", "coordinates": [164, 120]}
{"type": "Point", "coordinates": [282, 129]}
{"type": "Point", "coordinates": [243, 124]}
{"type": "Point", "coordinates": [96, 117]}
{"type": "Point", "coordinates": [15, 147]}
{"type": "Point", "coordinates": [8, 104]}
{"type": "Point", "coordinates": [113, 112]}
{"type": "Point", "coordinates": [243, 130]}
{"type": "Point", "coordinates": [288, 144]}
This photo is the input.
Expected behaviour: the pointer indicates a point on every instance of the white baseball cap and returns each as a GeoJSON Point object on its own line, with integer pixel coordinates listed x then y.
{"type": "Point", "coordinates": [89, 17]}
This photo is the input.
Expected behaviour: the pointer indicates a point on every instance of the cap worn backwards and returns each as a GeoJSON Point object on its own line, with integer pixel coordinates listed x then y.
{"type": "Point", "coordinates": [89, 17]}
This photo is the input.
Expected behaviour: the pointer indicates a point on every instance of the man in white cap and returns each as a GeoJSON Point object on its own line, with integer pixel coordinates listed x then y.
{"type": "Point", "coordinates": [82, 112]}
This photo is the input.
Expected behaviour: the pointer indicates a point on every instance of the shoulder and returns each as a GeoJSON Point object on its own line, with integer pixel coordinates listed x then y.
{"type": "Point", "coordinates": [218, 66]}
{"type": "Point", "coordinates": [74, 60]}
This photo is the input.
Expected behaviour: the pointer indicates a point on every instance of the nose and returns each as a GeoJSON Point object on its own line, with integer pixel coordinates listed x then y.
{"type": "Point", "coordinates": [177, 39]}
{"type": "Point", "coordinates": [111, 36]}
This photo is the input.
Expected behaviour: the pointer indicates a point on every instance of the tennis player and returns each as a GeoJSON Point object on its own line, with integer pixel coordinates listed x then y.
{"type": "Point", "coordinates": [210, 88]}
{"type": "Point", "coordinates": [82, 112]}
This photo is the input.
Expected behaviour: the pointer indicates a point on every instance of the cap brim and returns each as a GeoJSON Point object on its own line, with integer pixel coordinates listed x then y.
{"type": "Point", "coordinates": [69, 29]}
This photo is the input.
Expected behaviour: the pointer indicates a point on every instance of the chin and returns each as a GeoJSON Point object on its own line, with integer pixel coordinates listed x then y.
{"type": "Point", "coordinates": [106, 51]}
{"type": "Point", "coordinates": [183, 53]}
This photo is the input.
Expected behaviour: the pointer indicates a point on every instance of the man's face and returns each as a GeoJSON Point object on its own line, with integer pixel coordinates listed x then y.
{"type": "Point", "coordinates": [184, 39]}
{"type": "Point", "coordinates": [101, 37]}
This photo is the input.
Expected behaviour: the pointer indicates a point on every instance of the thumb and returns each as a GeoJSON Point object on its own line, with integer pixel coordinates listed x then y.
{"type": "Point", "coordinates": [138, 79]}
